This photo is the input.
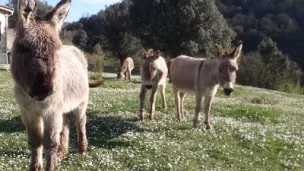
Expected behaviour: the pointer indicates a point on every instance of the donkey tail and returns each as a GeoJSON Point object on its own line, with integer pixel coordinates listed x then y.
{"type": "Point", "coordinates": [96, 83]}
{"type": "Point", "coordinates": [169, 64]}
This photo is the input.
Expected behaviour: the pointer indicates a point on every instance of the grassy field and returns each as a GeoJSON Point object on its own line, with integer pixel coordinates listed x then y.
{"type": "Point", "coordinates": [254, 129]}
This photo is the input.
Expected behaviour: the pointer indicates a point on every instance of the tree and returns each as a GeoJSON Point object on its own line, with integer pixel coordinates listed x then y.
{"type": "Point", "coordinates": [180, 27]}
{"type": "Point", "coordinates": [251, 66]}
{"type": "Point", "coordinates": [111, 29]}
{"type": "Point", "coordinates": [268, 67]}
{"type": "Point", "coordinates": [80, 39]}
{"type": "Point", "coordinates": [42, 9]}
{"type": "Point", "coordinates": [74, 26]}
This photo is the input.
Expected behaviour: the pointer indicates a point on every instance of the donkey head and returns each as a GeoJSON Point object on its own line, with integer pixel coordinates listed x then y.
{"type": "Point", "coordinates": [227, 67]}
{"type": "Point", "coordinates": [118, 72]}
{"type": "Point", "coordinates": [37, 40]}
{"type": "Point", "coordinates": [150, 67]}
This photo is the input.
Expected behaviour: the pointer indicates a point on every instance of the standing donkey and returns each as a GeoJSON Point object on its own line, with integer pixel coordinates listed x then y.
{"type": "Point", "coordinates": [126, 69]}
{"type": "Point", "coordinates": [203, 77]}
{"type": "Point", "coordinates": [51, 80]}
{"type": "Point", "coordinates": [153, 73]}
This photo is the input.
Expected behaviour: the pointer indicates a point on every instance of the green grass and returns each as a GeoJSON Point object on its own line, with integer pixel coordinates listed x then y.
{"type": "Point", "coordinates": [254, 129]}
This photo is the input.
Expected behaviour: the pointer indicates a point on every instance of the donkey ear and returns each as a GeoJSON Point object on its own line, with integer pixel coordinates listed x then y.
{"type": "Point", "coordinates": [26, 11]}
{"type": "Point", "coordinates": [218, 48]}
{"type": "Point", "coordinates": [156, 54]}
{"type": "Point", "coordinates": [220, 51]}
{"type": "Point", "coordinates": [58, 14]}
{"type": "Point", "coordinates": [145, 55]}
{"type": "Point", "coordinates": [237, 50]}
{"type": "Point", "coordinates": [150, 52]}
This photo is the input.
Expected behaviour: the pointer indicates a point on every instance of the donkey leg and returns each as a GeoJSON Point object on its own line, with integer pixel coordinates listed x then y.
{"type": "Point", "coordinates": [182, 97]}
{"type": "Point", "coordinates": [64, 137]}
{"type": "Point", "coordinates": [152, 102]}
{"type": "Point", "coordinates": [80, 121]}
{"type": "Point", "coordinates": [208, 101]}
{"type": "Point", "coordinates": [142, 96]}
{"type": "Point", "coordinates": [163, 95]}
{"type": "Point", "coordinates": [198, 100]}
{"type": "Point", "coordinates": [129, 75]}
{"type": "Point", "coordinates": [51, 138]}
{"type": "Point", "coordinates": [177, 104]}
{"type": "Point", "coordinates": [33, 124]}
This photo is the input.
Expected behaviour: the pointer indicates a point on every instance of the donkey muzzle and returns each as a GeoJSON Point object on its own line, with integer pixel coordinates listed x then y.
{"type": "Point", "coordinates": [228, 91]}
{"type": "Point", "coordinates": [40, 97]}
{"type": "Point", "coordinates": [40, 93]}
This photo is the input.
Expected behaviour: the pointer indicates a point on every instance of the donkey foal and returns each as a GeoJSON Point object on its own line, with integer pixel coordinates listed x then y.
{"type": "Point", "coordinates": [153, 73]}
{"type": "Point", "coordinates": [202, 78]}
{"type": "Point", "coordinates": [51, 80]}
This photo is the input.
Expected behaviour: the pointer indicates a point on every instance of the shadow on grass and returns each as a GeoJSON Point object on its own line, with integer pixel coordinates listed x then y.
{"type": "Point", "coordinates": [134, 81]}
{"type": "Point", "coordinates": [102, 130]}
{"type": "Point", "coordinates": [13, 125]}
{"type": "Point", "coordinates": [110, 79]}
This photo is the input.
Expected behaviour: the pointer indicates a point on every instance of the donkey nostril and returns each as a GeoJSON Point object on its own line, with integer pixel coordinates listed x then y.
{"type": "Point", "coordinates": [148, 86]}
{"type": "Point", "coordinates": [31, 94]}
{"type": "Point", "coordinates": [49, 93]}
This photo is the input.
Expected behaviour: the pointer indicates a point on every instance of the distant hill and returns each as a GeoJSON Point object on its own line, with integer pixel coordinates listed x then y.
{"type": "Point", "coordinates": [283, 21]}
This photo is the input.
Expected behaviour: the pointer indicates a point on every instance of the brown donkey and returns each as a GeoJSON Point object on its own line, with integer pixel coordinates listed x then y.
{"type": "Point", "coordinates": [153, 73]}
{"type": "Point", "coordinates": [202, 78]}
{"type": "Point", "coordinates": [126, 69]}
{"type": "Point", "coordinates": [51, 80]}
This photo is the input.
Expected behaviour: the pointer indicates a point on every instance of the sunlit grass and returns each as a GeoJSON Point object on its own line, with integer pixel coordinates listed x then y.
{"type": "Point", "coordinates": [254, 129]}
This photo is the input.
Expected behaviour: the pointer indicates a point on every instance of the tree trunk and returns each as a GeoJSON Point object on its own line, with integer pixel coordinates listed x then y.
{"type": "Point", "coordinates": [121, 58]}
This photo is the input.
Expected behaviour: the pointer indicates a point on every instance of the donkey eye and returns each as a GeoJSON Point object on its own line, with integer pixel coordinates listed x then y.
{"type": "Point", "coordinates": [232, 69]}
{"type": "Point", "coordinates": [153, 68]}
{"type": "Point", "coordinates": [221, 70]}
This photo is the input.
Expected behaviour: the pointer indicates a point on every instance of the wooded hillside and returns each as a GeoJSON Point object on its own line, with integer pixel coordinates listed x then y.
{"type": "Point", "coordinates": [281, 20]}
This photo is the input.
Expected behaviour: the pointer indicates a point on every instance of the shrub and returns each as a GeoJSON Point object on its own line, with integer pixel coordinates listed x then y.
{"type": "Point", "coordinates": [95, 66]}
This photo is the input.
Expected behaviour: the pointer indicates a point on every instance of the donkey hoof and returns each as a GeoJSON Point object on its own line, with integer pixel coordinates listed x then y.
{"type": "Point", "coordinates": [195, 125]}
{"type": "Point", "coordinates": [36, 168]}
{"type": "Point", "coordinates": [141, 119]}
{"type": "Point", "coordinates": [151, 117]}
{"type": "Point", "coordinates": [83, 149]}
{"type": "Point", "coordinates": [62, 153]}
{"type": "Point", "coordinates": [208, 127]}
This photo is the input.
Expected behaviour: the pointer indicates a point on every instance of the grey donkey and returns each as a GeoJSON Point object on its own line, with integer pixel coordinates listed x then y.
{"type": "Point", "coordinates": [153, 74]}
{"type": "Point", "coordinates": [202, 78]}
{"type": "Point", "coordinates": [51, 80]}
